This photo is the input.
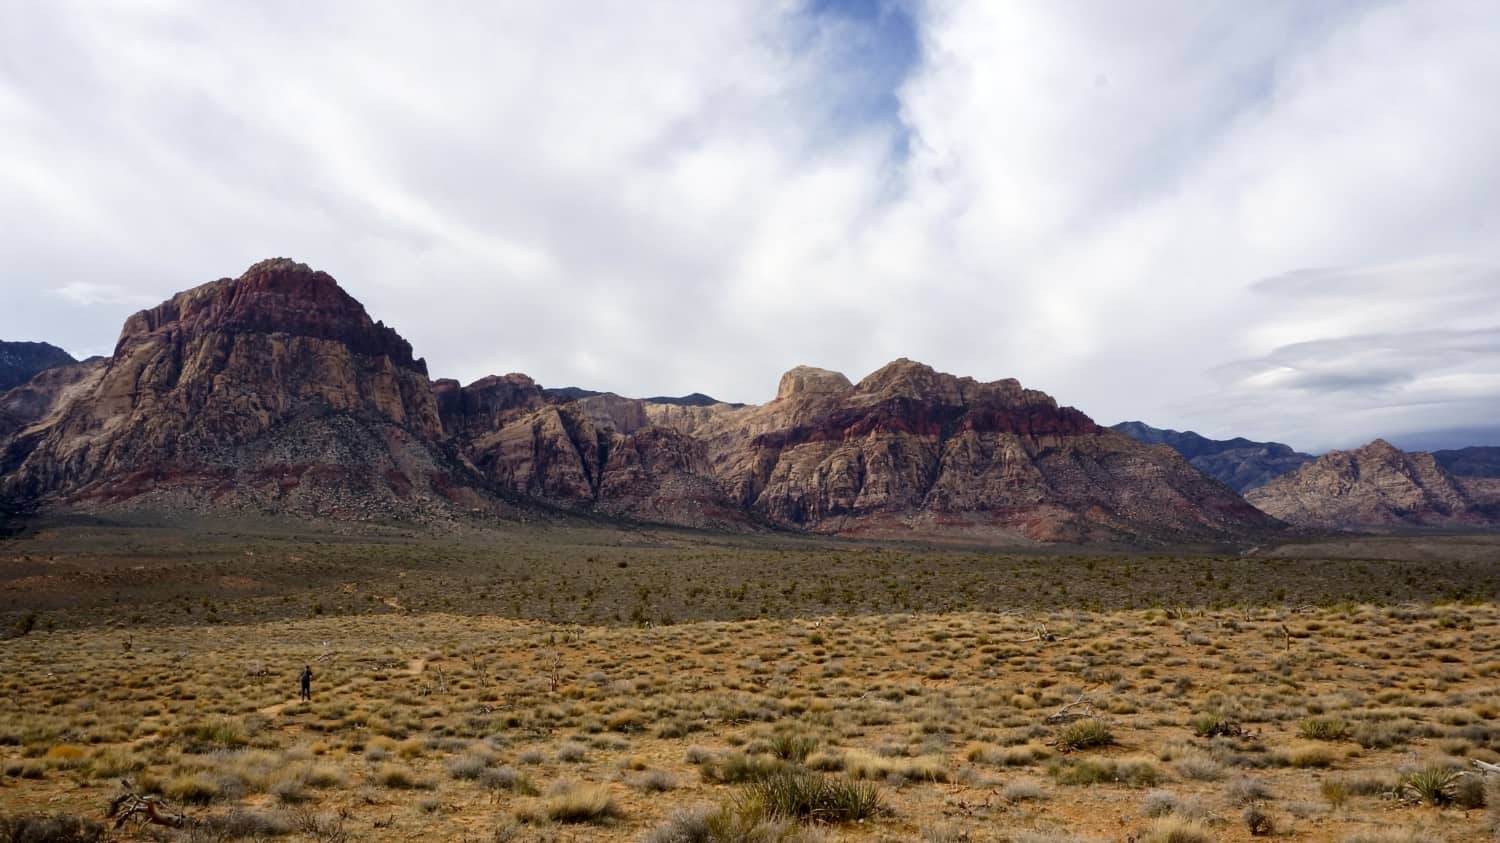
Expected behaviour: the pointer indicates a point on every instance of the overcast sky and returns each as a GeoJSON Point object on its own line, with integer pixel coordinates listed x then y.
{"type": "Point", "coordinates": [1277, 220]}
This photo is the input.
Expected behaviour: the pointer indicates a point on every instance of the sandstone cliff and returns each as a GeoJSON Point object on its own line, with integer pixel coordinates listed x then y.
{"type": "Point", "coordinates": [912, 450]}
{"type": "Point", "coordinates": [276, 391]}
{"type": "Point", "coordinates": [1374, 487]}
{"type": "Point", "coordinates": [271, 389]}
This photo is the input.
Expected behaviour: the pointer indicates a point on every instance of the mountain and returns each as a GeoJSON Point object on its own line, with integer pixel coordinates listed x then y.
{"type": "Point", "coordinates": [696, 399]}
{"type": "Point", "coordinates": [20, 361]}
{"type": "Point", "coordinates": [272, 391]}
{"type": "Point", "coordinates": [1374, 487]}
{"type": "Point", "coordinates": [908, 451]}
{"type": "Point", "coordinates": [1480, 461]}
{"type": "Point", "coordinates": [571, 393]}
{"type": "Point", "coordinates": [276, 392]}
{"type": "Point", "coordinates": [1239, 463]}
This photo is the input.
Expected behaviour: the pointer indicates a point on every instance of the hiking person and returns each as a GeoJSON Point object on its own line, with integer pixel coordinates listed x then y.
{"type": "Point", "coordinates": [306, 679]}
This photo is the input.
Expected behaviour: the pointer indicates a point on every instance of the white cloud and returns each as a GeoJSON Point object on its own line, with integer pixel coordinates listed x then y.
{"type": "Point", "coordinates": [85, 294]}
{"type": "Point", "coordinates": [669, 197]}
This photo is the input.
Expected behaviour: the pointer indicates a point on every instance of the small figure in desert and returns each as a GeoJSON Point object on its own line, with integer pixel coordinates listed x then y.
{"type": "Point", "coordinates": [306, 680]}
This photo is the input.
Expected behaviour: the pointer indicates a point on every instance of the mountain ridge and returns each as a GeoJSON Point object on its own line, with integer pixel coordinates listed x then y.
{"type": "Point", "coordinates": [1376, 487]}
{"type": "Point", "coordinates": [1239, 463]}
{"type": "Point", "coordinates": [277, 391]}
{"type": "Point", "coordinates": [21, 361]}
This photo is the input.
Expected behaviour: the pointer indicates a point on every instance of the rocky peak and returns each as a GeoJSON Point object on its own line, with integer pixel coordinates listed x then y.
{"type": "Point", "coordinates": [1373, 486]}
{"type": "Point", "coordinates": [275, 296]}
{"type": "Point", "coordinates": [805, 381]}
{"type": "Point", "coordinates": [903, 378]}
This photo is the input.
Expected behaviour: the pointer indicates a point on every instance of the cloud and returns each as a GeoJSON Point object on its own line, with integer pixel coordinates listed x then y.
{"type": "Point", "coordinates": [1368, 366]}
{"type": "Point", "coordinates": [1120, 205]}
{"type": "Point", "coordinates": [84, 294]}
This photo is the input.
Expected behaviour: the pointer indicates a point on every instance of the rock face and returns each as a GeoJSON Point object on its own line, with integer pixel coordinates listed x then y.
{"type": "Point", "coordinates": [271, 389]}
{"type": "Point", "coordinates": [276, 392]}
{"type": "Point", "coordinates": [1239, 463]}
{"type": "Point", "coordinates": [907, 451]}
{"type": "Point", "coordinates": [20, 361]}
{"type": "Point", "coordinates": [1371, 488]}
{"type": "Point", "coordinates": [36, 399]}
{"type": "Point", "coordinates": [913, 449]}
{"type": "Point", "coordinates": [601, 453]}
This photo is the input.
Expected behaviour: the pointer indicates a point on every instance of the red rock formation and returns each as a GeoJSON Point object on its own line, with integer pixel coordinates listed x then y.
{"type": "Point", "coordinates": [910, 448]}
{"type": "Point", "coordinates": [277, 391]}
{"type": "Point", "coordinates": [1374, 487]}
{"type": "Point", "coordinates": [247, 388]}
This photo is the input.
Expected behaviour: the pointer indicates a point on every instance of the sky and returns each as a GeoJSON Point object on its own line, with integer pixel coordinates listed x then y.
{"type": "Point", "coordinates": [1278, 220]}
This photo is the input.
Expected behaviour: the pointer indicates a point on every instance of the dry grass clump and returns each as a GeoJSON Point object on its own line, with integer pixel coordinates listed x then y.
{"type": "Point", "coordinates": [1396, 835]}
{"type": "Point", "coordinates": [1136, 772]}
{"type": "Point", "coordinates": [399, 777]}
{"type": "Point", "coordinates": [810, 797]}
{"type": "Point", "coordinates": [1022, 790]}
{"type": "Point", "coordinates": [1324, 728]}
{"type": "Point", "coordinates": [1176, 829]}
{"type": "Point", "coordinates": [738, 767]}
{"type": "Point", "coordinates": [861, 765]}
{"type": "Point", "coordinates": [53, 828]}
{"type": "Point", "coordinates": [725, 825]}
{"type": "Point", "coordinates": [569, 802]}
{"type": "Point", "coordinates": [1306, 756]}
{"type": "Point", "coordinates": [1086, 733]}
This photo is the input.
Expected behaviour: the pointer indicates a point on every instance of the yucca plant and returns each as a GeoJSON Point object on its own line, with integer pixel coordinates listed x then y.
{"type": "Point", "coordinates": [1435, 785]}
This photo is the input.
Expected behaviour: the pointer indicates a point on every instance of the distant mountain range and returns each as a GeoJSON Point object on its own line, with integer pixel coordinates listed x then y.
{"type": "Point", "coordinates": [1376, 487]}
{"type": "Point", "coordinates": [21, 361]}
{"type": "Point", "coordinates": [1239, 463]}
{"type": "Point", "coordinates": [276, 392]}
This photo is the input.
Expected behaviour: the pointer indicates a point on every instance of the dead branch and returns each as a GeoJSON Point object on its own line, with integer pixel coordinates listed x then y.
{"type": "Point", "coordinates": [1486, 768]}
{"type": "Point", "coordinates": [145, 810]}
{"type": "Point", "coordinates": [1066, 713]}
{"type": "Point", "coordinates": [1041, 633]}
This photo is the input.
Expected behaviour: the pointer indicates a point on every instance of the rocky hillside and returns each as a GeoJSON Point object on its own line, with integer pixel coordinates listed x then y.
{"type": "Point", "coordinates": [274, 390]}
{"type": "Point", "coordinates": [907, 451]}
{"type": "Point", "coordinates": [1374, 487]}
{"type": "Point", "coordinates": [21, 361]}
{"type": "Point", "coordinates": [1239, 463]}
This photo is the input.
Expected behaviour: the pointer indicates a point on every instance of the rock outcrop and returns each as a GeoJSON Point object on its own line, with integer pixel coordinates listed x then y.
{"type": "Point", "coordinates": [273, 389]}
{"type": "Point", "coordinates": [1239, 463]}
{"type": "Point", "coordinates": [1371, 488]}
{"type": "Point", "coordinates": [21, 361]}
{"type": "Point", "coordinates": [910, 450]}
{"type": "Point", "coordinates": [35, 400]}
